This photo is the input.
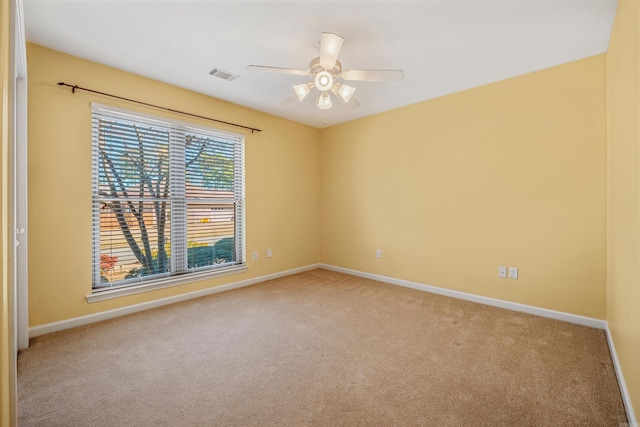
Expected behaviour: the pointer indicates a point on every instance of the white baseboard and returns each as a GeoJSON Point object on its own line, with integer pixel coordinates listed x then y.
{"type": "Point", "coordinates": [626, 398]}
{"type": "Point", "coordinates": [523, 308]}
{"type": "Point", "coordinates": [110, 314]}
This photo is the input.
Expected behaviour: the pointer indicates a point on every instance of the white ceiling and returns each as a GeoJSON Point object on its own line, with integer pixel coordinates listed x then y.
{"type": "Point", "coordinates": [444, 46]}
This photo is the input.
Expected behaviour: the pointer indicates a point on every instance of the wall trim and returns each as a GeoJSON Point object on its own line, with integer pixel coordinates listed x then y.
{"type": "Point", "coordinates": [110, 314]}
{"type": "Point", "coordinates": [626, 398]}
{"type": "Point", "coordinates": [523, 308]}
{"type": "Point", "coordinates": [165, 282]}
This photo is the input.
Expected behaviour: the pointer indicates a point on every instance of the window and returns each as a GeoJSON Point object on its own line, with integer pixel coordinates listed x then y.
{"type": "Point", "coordinates": [168, 200]}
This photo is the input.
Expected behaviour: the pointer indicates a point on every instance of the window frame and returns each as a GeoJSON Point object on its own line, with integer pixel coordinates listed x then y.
{"type": "Point", "coordinates": [172, 278]}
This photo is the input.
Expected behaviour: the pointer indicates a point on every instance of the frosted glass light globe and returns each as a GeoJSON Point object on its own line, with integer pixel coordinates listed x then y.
{"type": "Point", "coordinates": [324, 81]}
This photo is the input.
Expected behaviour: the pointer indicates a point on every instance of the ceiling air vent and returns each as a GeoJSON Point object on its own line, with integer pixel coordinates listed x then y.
{"type": "Point", "coordinates": [225, 75]}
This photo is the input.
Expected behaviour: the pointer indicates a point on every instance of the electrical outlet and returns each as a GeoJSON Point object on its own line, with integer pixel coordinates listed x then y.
{"type": "Point", "coordinates": [255, 256]}
{"type": "Point", "coordinates": [269, 253]}
{"type": "Point", "coordinates": [378, 253]}
{"type": "Point", "coordinates": [502, 271]}
{"type": "Point", "coordinates": [513, 272]}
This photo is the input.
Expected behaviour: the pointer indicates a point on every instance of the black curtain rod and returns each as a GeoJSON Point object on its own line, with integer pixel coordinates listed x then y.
{"type": "Point", "coordinates": [76, 87]}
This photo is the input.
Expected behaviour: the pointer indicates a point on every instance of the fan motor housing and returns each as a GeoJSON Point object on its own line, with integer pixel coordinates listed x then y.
{"type": "Point", "coordinates": [315, 68]}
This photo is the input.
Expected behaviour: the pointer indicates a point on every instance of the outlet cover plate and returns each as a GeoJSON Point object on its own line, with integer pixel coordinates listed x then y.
{"type": "Point", "coordinates": [513, 272]}
{"type": "Point", "coordinates": [502, 271]}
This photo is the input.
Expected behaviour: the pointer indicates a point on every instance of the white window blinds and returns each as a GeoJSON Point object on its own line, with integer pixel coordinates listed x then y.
{"type": "Point", "coordinates": [168, 199]}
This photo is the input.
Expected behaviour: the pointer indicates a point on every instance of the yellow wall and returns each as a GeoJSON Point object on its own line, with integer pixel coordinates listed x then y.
{"type": "Point", "coordinates": [623, 246]}
{"type": "Point", "coordinates": [512, 173]}
{"type": "Point", "coordinates": [4, 143]}
{"type": "Point", "coordinates": [282, 182]}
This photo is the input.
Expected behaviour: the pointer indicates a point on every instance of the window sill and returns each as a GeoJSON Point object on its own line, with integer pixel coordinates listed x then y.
{"type": "Point", "coordinates": [163, 283]}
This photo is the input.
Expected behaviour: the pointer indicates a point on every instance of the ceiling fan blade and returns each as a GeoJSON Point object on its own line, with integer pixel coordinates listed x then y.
{"type": "Point", "coordinates": [353, 103]}
{"type": "Point", "coordinates": [289, 99]}
{"type": "Point", "coordinates": [277, 70]}
{"type": "Point", "coordinates": [394, 76]}
{"type": "Point", "coordinates": [330, 45]}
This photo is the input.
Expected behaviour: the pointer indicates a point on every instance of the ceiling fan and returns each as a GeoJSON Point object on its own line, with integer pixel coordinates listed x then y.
{"type": "Point", "coordinates": [325, 70]}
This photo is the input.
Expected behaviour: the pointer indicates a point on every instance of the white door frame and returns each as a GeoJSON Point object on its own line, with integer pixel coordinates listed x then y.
{"type": "Point", "coordinates": [18, 288]}
{"type": "Point", "coordinates": [19, 175]}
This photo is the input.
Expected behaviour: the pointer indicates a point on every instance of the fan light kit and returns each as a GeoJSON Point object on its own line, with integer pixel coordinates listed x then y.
{"type": "Point", "coordinates": [325, 69]}
{"type": "Point", "coordinates": [324, 102]}
{"type": "Point", "coordinates": [346, 92]}
{"type": "Point", "coordinates": [324, 81]}
{"type": "Point", "coordinates": [301, 90]}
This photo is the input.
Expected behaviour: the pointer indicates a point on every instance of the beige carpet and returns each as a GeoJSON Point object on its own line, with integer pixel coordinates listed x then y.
{"type": "Point", "coordinates": [325, 349]}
